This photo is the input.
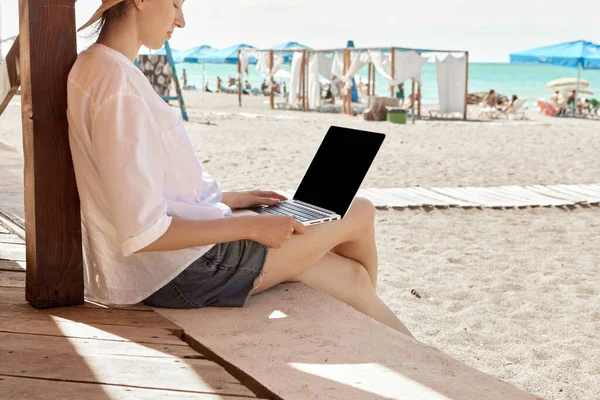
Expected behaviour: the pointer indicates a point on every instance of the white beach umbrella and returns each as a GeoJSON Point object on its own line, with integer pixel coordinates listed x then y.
{"type": "Point", "coordinates": [566, 84]}
{"type": "Point", "coordinates": [283, 74]}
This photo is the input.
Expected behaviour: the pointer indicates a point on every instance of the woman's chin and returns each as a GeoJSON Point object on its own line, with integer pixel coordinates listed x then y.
{"type": "Point", "coordinates": [155, 45]}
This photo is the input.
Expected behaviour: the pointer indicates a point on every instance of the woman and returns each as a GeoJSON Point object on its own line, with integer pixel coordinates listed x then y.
{"type": "Point", "coordinates": [156, 226]}
{"type": "Point", "coordinates": [490, 100]}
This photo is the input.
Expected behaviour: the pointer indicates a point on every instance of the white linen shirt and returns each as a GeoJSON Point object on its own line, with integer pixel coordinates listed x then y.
{"type": "Point", "coordinates": [135, 171]}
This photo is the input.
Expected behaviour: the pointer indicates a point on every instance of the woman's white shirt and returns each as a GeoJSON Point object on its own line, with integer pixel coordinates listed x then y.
{"type": "Point", "coordinates": [135, 170]}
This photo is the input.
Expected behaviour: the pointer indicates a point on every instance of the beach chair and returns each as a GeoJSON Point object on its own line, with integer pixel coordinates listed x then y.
{"type": "Point", "coordinates": [517, 111]}
{"type": "Point", "coordinates": [488, 113]}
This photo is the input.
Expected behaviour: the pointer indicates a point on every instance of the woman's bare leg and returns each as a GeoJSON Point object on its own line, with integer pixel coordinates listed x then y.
{"type": "Point", "coordinates": [366, 248]}
{"type": "Point", "coordinates": [348, 281]}
{"type": "Point", "coordinates": [303, 251]}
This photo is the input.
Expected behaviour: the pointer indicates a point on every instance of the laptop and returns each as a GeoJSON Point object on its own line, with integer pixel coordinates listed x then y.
{"type": "Point", "coordinates": [332, 179]}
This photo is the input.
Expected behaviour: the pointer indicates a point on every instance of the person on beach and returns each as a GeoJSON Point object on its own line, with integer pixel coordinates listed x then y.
{"type": "Point", "coordinates": [400, 94]}
{"type": "Point", "coordinates": [184, 78]}
{"type": "Point", "coordinates": [219, 83]}
{"type": "Point", "coordinates": [508, 105]}
{"type": "Point", "coordinates": [490, 100]}
{"type": "Point", "coordinates": [156, 226]}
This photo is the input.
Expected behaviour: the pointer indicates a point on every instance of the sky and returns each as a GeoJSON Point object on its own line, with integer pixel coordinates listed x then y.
{"type": "Point", "coordinates": [488, 30]}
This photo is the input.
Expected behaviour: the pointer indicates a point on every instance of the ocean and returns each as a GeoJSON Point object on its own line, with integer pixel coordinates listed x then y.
{"type": "Point", "coordinates": [526, 81]}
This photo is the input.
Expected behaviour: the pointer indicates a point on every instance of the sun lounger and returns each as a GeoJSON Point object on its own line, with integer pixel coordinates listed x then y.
{"type": "Point", "coordinates": [516, 111]}
{"type": "Point", "coordinates": [488, 113]}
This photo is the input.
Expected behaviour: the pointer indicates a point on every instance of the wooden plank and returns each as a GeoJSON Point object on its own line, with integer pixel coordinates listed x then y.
{"type": "Point", "coordinates": [572, 195]}
{"type": "Point", "coordinates": [511, 198]}
{"type": "Point", "coordinates": [373, 197]}
{"type": "Point", "coordinates": [70, 329]}
{"type": "Point", "coordinates": [12, 279]}
{"type": "Point", "coordinates": [458, 195]}
{"type": "Point", "coordinates": [547, 191]}
{"type": "Point", "coordinates": [320, 348]}
{"type": "Point", "coordinates": [450, 201]}
{"type": "Point", "coordinates": [531, 197]}
{"type": "Point", "coordinates": [28, 343]}
{"type": "Point", "coordinates": [84, 315]}
{"type": "Point", "coordinates": [591, 196]}
{"type": "Point", "coordinates": [392, 197]}
{"type": "Point", "coordinates": [419, 199]}
{"type": "Point", "coordinates": [115, 363]}
{"type": "Point", "coordinates": [10, 79]}
{"type": "Point", "coordinates": [27, 388]}
{"type": "Point", "coordinates": [11, 265]}
{"type": "Point", "coordinates": [13, 239]}
{"type": "Point", "coordinates": [14, 252]}
{"type": "Point", "coordinates": [48, 50]}
{"type": "Point", "coordinates": [3, 230]}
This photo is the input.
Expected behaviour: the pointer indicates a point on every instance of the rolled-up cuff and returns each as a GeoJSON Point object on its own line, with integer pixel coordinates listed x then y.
{"type": "Point", "coordinates": [147, 237]}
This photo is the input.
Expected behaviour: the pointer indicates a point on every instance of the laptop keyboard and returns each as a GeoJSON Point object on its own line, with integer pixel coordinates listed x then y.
{"type": "Point", "coordinates": [301, 213]}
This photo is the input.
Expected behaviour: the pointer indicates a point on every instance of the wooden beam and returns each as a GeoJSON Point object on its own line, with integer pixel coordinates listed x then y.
{"type": "Point", "coordinates": [10, 78]}
{"type": "Point", "coordinates": [271, 98]}
{"type": "Point", "coordinates": [419, 98]}
{"type": "Point", "coordinates": [52, 213]}
{"type": "Point", "coordinates": [466, 85]}
{"type": "Point", "coordinates": [239, 78]}
{"type": "Point", "coordinates": [393, 70]}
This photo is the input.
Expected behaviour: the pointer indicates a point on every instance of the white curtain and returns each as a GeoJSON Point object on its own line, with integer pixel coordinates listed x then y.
{"type": "Point", "coordinates": [314, 85]}
{"type": "Point", "coordinates": [295, 70]}
{"type": "Point", "coordinates": [337, 67]}
{"type": "Point", "coordinates": [358, 62]}
{"type": "Point", "coordinates": [262, 66]}
{"type": "Point", "coordinates": [452, 83]}
{"type": "Point", "coordinates": [325, 66]}
{"type": "Point", "coordinates": [408, 65]}
{"type": "Point", "coordinates": [383, 64]}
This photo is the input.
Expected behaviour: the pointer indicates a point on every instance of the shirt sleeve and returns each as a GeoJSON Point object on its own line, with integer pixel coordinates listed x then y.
{"type": "Point", "coordinates": [129, 155]}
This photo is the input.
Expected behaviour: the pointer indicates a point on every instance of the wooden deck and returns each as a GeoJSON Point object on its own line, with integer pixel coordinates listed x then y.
{"type": "Point", "coordinates": [94, 352]}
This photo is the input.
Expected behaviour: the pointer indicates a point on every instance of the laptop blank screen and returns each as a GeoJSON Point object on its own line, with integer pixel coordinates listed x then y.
{"type": "Point", "coordinates": [338, 168]}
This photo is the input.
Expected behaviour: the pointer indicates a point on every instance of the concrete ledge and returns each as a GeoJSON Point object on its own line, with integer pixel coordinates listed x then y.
{"type": "Point", "coordinates": [302, 344]}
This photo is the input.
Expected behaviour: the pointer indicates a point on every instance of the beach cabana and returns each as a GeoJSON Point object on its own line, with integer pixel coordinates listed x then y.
{"type": "Point", "coordinates": [395, 64]}
{"type": "Point", "coordinates": [580, 54]}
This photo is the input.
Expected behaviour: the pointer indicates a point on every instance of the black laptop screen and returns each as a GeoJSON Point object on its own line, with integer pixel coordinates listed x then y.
{"type": "Point", "coordinates": [338, 168]}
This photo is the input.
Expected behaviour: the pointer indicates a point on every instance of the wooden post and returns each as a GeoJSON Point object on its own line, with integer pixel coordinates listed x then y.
{"type": "Point", "coordinates": [48, 44]}
{"type": "Point", "coordinates": [412, 106]}
{"type": "Point", "coordinates": [239, 78]}
{"type": "Point", "coordinates": [393, 72]}
{"type": "Point", "coordinates": [271, 98]}
{"type": "Point", "coordinates": [306, 81]}
{"type": "Point", "coordinates": [419, 97]}
{"type": "Point", "coordinates": [348, 93]}
{"type": "Point", "coordinates": [374, 79]}
{"type": "Point", "coordinates": [466, 85]}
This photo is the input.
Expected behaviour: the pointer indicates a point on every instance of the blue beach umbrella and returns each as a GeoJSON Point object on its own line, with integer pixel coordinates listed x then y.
{"type": "Point", "coordinates": [579, 54]}
{"type": "Point", "coordinates": [191, 55]}
{"type": "Point", "coordinates": [225, 56]}
{"type": "Point", "coordinates": [287, 56]}
{"type": "Point", "coordinates": [178, 55]}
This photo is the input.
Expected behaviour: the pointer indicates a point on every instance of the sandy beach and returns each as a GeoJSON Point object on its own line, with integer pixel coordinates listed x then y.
{"type": "Point", "coordinates": [513, 293]}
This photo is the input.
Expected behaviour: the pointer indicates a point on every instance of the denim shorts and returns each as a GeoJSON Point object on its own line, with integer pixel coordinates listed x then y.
{"type": "Point", "coordinates": [223, 277]}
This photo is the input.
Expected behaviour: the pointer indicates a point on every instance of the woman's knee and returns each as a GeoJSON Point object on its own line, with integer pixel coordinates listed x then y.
{"type": "Point", "coordinates": [362, 212]}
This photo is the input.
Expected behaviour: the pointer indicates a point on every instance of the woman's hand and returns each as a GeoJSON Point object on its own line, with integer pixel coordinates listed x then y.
{"type": "Point", "coordinates": [252, 198]}
{"type": "Point", "coordinates": [274, 230]}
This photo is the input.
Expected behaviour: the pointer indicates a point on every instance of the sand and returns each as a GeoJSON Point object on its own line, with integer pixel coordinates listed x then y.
{"type": "Point", "coordinates": [513, 293]}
